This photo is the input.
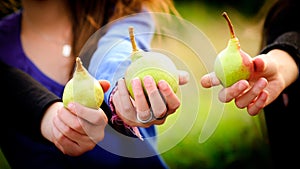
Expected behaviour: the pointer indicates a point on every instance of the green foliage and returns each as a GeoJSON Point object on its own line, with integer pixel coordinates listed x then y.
{"type": "Point", "coordinates": [3, 163]}
{"type": "Point", "coordinates": [238, 142]}
{"type": "Point", "coordinates": [246, 7]}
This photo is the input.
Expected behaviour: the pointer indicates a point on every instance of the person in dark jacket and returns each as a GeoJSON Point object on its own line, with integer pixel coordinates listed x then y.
{"type": "Point", "coordinates": [274, 85]}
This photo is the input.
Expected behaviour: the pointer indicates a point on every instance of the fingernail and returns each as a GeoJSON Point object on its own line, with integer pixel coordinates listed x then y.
{"type": "Point", "coordinates": [71, 106]}
{"type": "Point", "coordinates": [148, 80]}
{"type": "Point", "coordinates": [242, 86]}
{"type": "Point", "coordinates": [135, 81]}
{"type": "Point", "coordinates": [162, 85]}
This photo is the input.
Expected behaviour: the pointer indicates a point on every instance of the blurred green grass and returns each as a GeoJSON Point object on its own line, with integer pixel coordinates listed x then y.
{"type": "Point", "coordinates": [3, 162]}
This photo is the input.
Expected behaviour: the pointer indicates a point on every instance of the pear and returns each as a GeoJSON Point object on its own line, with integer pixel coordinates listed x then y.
{"type": "Point", "coordinates": [155, 64]}
{"type": "Point", "coordinates": [231, 65]}
{"type": "Point", "coordinates": [83, 88]}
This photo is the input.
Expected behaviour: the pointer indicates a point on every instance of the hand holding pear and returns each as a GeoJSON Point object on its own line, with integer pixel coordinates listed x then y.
{"type": "Point", "coordinates": [232, 64]}
{"type": "Point", "coordinates": [83, 88]}
{"type": "Point", "coordinates": [155, 64]}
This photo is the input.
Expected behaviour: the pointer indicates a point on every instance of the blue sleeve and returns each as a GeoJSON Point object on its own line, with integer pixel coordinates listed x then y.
{"type": "Point", "coordinates": [112, 56]}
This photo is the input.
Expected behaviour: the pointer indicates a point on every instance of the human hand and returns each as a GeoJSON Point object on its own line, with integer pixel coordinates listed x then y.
{"type": "Point", "coordinates": [76, 129]}
{"type": "Point", "coordinates": [264, 86]}
{"type": "Point", "coordinates": [144, 112]}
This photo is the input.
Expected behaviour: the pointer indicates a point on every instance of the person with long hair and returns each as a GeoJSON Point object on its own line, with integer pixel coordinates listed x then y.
{"type": "Point", "coordinates": [43, 38]}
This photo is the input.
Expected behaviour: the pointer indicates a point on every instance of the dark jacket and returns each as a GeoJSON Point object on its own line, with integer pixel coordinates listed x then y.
{"type": "Point", "coordinates": [282, 31]}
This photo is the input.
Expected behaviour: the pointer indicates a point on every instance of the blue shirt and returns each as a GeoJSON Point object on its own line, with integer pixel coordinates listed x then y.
{"type": "Point", "coordinates": [109, 61]}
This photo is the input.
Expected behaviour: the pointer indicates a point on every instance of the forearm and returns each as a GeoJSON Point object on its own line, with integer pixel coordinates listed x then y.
{"type": "Point", "coordinates": [26, 99]}
{"type": "Point", "coordinates": [285, 65]}
{"type": "Point", "coordinates": [47, 121]}
{"type": "Point", "coordinates": [286, 52]}
{"type": "Point", "coordinates": [284, 34]}
{"type": "Point", "coordinates": [112, 56]}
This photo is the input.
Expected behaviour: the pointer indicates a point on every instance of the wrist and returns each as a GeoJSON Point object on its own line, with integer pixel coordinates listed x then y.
{"type": "Point", "coordinates": [47, 121]}
{"type": "Point", "coordinates": [282, 58]}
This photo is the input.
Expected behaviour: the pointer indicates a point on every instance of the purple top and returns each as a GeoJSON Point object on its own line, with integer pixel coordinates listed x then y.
{"type": "Point", "coordinates": [13, 54]}
{"type": "Point", "coordinates": [115, 151]}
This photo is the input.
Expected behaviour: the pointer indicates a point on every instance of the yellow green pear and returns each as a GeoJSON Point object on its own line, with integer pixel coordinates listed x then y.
{"type": "Point", "coordinates": [231, 65]}
{"type": "Point", "coordinates": [155, 64]}
{"type": "Point", "coordinates": [83, 88]}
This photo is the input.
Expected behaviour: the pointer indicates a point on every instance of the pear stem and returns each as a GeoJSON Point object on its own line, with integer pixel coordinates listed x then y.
{"type": "Point", "coordinates": [79, 66]}
{"type": "Point", "coordinates": [224, 14]}
{"type": "Point", "coordinates": [132, 39]}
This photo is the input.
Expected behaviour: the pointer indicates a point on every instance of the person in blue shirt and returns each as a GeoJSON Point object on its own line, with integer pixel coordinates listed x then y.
{"type": "Point", "coordinates": [43, 38]}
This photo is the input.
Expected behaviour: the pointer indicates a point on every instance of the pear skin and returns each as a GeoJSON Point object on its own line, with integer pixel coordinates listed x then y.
{"type": "Point", "coordinates": [155, 64]}
{"type": "Point", "coordinates": [231, 65]}
{"type": "Point", "coordinates": [83, 88]}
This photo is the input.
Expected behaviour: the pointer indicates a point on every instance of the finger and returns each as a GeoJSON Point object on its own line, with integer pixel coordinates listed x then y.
{"type": "Point", "coordinates": [64, 144]}
{"type": "Point", "coordinates": [75, 127]}
{"type": "Point", "coordinates": [142, 107]}
{"type": "Point", "coordinates": [183, 77]}
{"type": "Point", "coordinates": [59, 137]}
{"type": "Point", "coordinates": [127, 110]}
{"type": "Point", "coordinates": [246, 62]}
{"type": "Point", "coordinates": [94, 116]}
{"type": "Point", "coordinates": [171, 98]}
{"type": "Point", "coordinates": [259, 104]}
{"type": "Point", "coordinates": [65, 140]}
{"type": "Point", "coordinates": [259, 64]}
{"type": "Point", "coordinates": [209, 80]}
{"type": "Point", "coordinates": [105, 85]}
{"type": "Point", "coordinates": [66, 131]}
{"type": "Point", "coordinates": [121, 112]}
{"type": "Point", "coordinates": [228, 94]}
{"type": "Point", "coordinates": [245, 99]}
{"type": "Point", "coordinates": [68, 138]}
{"type": "Point", "coordinates": [94, 132]}
{"type": "Point", "coordinates": [70, 119]}
{"type": "Point", "coordinates": [157, 102]}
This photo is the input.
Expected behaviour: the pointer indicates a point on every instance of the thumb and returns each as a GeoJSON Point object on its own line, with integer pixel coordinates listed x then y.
{"type": "Point", "coordinates": [104, 84]}
{"type": "Point", "coordinates": [209, 80]}
{"type": "Point", "coordinates": [183, 77]}
{"type": "Point", "coordinates": [259, 64]}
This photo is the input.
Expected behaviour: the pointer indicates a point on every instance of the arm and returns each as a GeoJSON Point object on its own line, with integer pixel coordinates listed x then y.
{"type": "Point", "coordinates": [34, 108]}
{"type": "Point", "coordinates": [111, 60]}
{"type": "Point", "coordinates": [281, 42]}
{"type": "Point", "coordinates": [271, 77]}
{"type": "Point", "coordinates": [276, 66]}
{"type": "Point", "coordinates": [27, 99]}
{"type": "Point", "coordinates": [75, 129]}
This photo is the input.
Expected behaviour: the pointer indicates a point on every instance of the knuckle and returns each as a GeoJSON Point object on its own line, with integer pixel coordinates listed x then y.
{"type": "Point", "coordinates": [127, 108]}
{"type": "Point", "coordinates": [138, 93]}
{"type": "Point", "coordinates": [76, 125]}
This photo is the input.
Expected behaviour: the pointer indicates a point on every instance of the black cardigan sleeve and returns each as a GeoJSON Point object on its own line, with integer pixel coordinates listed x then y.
{"type": "Point", "coordinates": [282, 31]}
{"type": "Point", "coordinates": [281, 28]}
{"type": "Point", "coordinates": [24, 101]}
{"type": "Point", "coordinates": [289, 42]}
